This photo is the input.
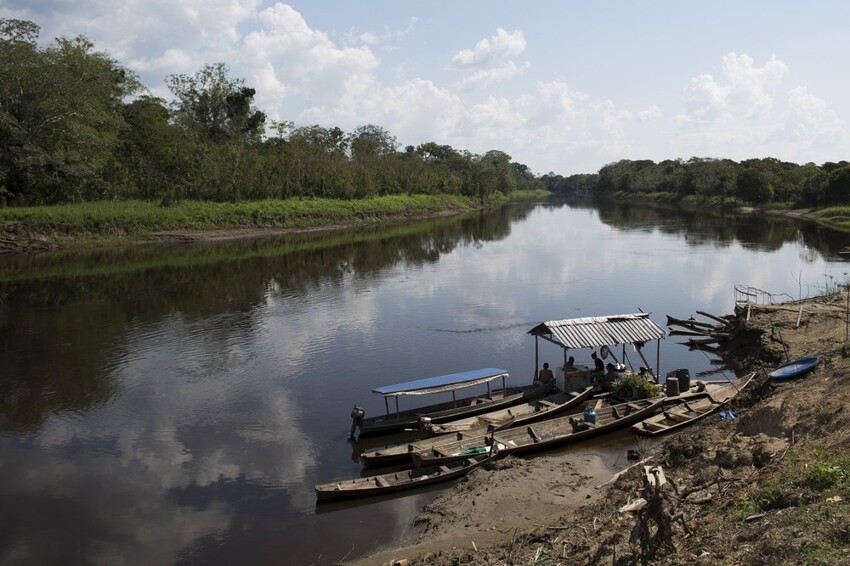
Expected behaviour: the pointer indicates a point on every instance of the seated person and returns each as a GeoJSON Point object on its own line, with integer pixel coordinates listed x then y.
{"type": "Point", "coordinates": [545, 376]}
{"type": "Point", "coordinates": [571, 364]}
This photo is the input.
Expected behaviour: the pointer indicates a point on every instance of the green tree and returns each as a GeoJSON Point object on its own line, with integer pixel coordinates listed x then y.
{"type": "Point", "coordinates": [60, 117]}
{"type": "Point", "coordinates": [215, 106]}
{"type": "Point", "coordinates": [753, 186]}
{"type": "Point", "coordinates": [836, 186]}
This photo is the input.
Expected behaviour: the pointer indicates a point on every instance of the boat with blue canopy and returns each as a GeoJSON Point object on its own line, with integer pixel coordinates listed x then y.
{"type": "Point", "coordinates": [447, 410]}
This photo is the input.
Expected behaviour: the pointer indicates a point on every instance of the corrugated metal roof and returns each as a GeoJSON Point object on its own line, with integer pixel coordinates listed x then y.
{"type": "Point", "coordinates": [596, 331]}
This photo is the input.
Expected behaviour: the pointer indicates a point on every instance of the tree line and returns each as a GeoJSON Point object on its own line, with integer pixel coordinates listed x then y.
{"type": "Point", "coordinates": [75, 125]}
{"type": "Point", "coordinates": [752, 181]}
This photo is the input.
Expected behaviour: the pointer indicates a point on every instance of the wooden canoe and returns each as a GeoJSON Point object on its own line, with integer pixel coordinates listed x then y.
{"type": "Point", "coordinates": [452, 431]}
{"type": "Point", "coordinates": [398, 481]}
{"type": "Point", "coordinates": [543, 435]}
{"type": "Point", "coordinates": [688, 411]}
{"type": "Point", "coordinates": [450, 410]}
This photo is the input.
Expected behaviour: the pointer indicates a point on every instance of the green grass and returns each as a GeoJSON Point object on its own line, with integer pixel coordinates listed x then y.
{"type": "Point", "coordinates": [835, 217]}
{"type": "Point", "coordinates": [113, 219]}
{"type": "Point", "coordinates": [827, 474]}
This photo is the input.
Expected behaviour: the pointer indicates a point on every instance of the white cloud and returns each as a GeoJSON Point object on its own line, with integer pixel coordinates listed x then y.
{"type": "Point", "coordinates": [485, 77]}
{"type": "Point", "coordinates": [745, 92]}
{"type": "Point", "coordinates": [355, 36]}
{"type": "Point", "coordinates": [744, 115]}
{"type": "Point", "coordinates": [812, 122]}
{"type": "Point", "coordinates": [415, 111]}
{"type": "Point", "coordinates": [491, 51]}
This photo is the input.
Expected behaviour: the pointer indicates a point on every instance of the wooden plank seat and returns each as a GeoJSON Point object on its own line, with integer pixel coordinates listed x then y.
{"type": "Point", "coordinates": [381, 481]}
{"type": "Point", "coordinates": [678, 417]}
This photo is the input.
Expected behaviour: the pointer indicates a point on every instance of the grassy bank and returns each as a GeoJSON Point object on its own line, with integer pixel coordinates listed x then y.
{"type": "Point", "coordinates": [836, 217]}
{"type": "Point", "coordinates": [112, 221]}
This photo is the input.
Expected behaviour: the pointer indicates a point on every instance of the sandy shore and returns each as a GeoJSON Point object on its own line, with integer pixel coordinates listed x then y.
{"type": "Point", "coordinates": [564, 508]}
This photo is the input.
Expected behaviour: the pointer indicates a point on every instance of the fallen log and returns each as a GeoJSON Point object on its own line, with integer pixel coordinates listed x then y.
{"type": "Point", "coordinates": [721, 320]}
{"type": "Point", "coordinates": [672, 321]}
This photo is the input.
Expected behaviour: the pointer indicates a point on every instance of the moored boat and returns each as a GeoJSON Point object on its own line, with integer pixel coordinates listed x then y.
{"type": "Point", "coordinates": [445, 411]}
{"type": "Point", "coordinates": [398, 481]}
{"type": "Point", "coordinates": [692, 409]}
{"type": "Point", "coordinates": [452, 431]}
{"type": "Point", "coordinates": [545, 434]}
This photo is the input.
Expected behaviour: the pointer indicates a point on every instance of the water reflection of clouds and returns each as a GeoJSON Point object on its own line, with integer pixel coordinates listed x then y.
{"type": "Point", "coordinates": [101, 511]}
{"type": "Point", "coordinates": [178, 420]}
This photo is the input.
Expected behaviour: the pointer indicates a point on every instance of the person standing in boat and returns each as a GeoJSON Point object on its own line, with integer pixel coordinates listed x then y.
{"type": "Point", "coordinates": [610, 378]}
{"type": "Point", "coordinates": [545, 376]}
{"type": "Point", "coordinates": [597, 362]}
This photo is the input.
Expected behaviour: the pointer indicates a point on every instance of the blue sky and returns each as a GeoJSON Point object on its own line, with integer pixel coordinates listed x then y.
{"type": "Point", "coordinates": [561, 86]}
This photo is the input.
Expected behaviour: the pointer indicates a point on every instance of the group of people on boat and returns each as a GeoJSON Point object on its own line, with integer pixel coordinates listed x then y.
{"type": "Point", "coordinates": [604, 375]}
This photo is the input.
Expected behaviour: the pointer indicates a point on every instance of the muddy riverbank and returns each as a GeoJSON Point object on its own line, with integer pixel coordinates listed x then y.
{"type": "Point", "coordinates": [770, 486]}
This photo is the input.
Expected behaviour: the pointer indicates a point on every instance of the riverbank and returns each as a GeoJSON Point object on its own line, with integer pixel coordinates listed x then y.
{"type": "Point", "coordinates": [771, 486]}
{"type": "Point", "coordinates": [110, 223]}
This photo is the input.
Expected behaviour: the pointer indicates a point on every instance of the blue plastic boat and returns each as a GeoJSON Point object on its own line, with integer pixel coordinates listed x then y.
{"type": "Point", "coordinates": [795, 368]}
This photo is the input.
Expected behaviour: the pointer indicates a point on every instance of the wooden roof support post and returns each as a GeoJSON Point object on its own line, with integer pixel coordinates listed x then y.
{"type": "Point", "coordinates": [536, 357]}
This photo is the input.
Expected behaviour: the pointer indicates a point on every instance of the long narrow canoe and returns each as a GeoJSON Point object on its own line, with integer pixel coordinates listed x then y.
{"type": "Point", "coordinates": [449, 410]}
{"type": "Point", "coordinates": [398, 481]}
{"type": "Point", "coordinates": [795, 368]}
{"type": "Point", "coordinates": [543, 435]}
{"type": "Point", "coordinates": [686, 412]}
{"type": "Point", "coordinates": [535, 410]}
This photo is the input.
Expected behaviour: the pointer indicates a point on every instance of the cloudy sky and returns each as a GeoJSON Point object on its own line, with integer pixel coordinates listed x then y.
{"type": "Point", "coordinates": [562, 86]}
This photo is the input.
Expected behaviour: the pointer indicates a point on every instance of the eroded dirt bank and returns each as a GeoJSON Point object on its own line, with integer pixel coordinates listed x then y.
{"type": "Point", "coordinates": [769, 487]}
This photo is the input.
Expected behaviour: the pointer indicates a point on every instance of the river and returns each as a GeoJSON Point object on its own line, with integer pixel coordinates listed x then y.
{"type": "Point", "coordinates": [177, 404]}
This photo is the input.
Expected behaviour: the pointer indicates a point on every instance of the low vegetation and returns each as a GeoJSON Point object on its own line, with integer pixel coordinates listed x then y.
{"type": "Point", "coordinates": [104, 220]}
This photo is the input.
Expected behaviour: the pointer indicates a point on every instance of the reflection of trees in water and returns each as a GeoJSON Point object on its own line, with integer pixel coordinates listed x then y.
{"type": "Point", "coordinates": [699, 226]}
{"type": "Point", "coordinates": [61, 335]}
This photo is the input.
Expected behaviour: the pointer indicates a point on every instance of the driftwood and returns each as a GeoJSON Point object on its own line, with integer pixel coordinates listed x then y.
{"type": "Point", "coordinates": [653, 531]}
{"type": "Point", "coordinates": [692, 322]}
{"type": "Point", "coordinates": [686, 333]}
{"type": "Point", "coordinates": [720, 319]}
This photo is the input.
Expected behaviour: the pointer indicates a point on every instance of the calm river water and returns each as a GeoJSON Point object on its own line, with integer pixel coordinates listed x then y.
{"type": "Point", "coordinates": [177, 404]}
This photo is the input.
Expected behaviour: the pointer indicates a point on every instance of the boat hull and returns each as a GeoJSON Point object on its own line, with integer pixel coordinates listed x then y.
{"type": "Point", "coordinates": [794, 369]}
{"type": "Point", "coordinates": [695, 408]}
{"type": "Point", "coordinates": [442, 412]}
{"type": "Point", "coordinates": [395, 482]}
{"type": "Point", "coordinates": [544, 435]}
{"type": "Point", "coordinates": [532, 411]}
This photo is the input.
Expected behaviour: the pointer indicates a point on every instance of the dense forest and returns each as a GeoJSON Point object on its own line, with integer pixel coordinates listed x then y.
{"type": "Point", "coordinates": [753, 181]}
{"type": "Point", "coordinates": [77, 126]}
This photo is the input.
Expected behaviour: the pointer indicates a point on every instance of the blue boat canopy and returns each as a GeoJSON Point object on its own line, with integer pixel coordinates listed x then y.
{"type": "Point", "coordinates": [442, 383]}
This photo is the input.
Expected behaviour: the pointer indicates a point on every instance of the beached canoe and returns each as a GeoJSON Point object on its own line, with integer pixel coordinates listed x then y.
{"type": "Point", "coordinates": [689, 411]}
{"type": "Point", "coordinates": [398, 481]}
{"type": "Point", "coordinates": [452, 431]}
{"type": "Point", "coordinates": [795, 368]}
{"type": "Point", "coordinates": [543, 435]}
{"type": "Point", "coordinates": [394, 421]}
